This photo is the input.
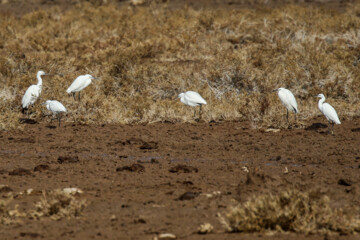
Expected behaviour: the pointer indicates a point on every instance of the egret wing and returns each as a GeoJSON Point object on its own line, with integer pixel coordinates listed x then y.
{"type": "Point", "coordinates": [79, 84]}
{"type": "Point", "coordinates": [288, 99]}
{"type": "Point", "coordinates": [194, 97]}
{"type": "Point", "coordinates": [30, 96]}
{"type": "Point", "coordinates": [330, 113]}
{"type": "Point", "coordinates": [57, 106]}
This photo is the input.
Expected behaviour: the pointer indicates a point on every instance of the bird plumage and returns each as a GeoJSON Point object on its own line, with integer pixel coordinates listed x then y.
{"type": "Point", "coordinates": [288, 100]}
{"type": "Point", "coordinates": [328, 111]}
{"type": "Point", "coordinates": [32, 93]}
{"type": "Point", "coordinates": [191, 98]}
{"type": "Point", "coordinates": [80, 83]}
{"type": "Point", "coordinates": [55, 106]}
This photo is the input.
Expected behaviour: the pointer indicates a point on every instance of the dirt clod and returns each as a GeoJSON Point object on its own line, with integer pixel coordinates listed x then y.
{"type": "Point", "coordinates": [183, 169]}
{"type": "Point", "coordinates": [68, 159]}
{"type": "Point", "coordinates": [189, 196]}
{"type": "Point", "coordinates": [132, 168]}
{"type": "Point", "coordinates": [20, 172]}
{"type": "Point", "coordinates": [149, 145]}
{"type": "Point", "coordinates": [344, 182]}
{"type": "Point", "coordinates": [41, 167]}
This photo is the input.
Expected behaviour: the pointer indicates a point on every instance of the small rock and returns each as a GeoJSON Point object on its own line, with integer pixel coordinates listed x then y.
{"type": "Point", "coordinates": [166, 236]}
{"type": "Point", "coordinates": [344, 182]}
{"type": "Point", "coordinates": [188, 196]}
{"type": "Point", "coordinates": [113, 218]}
{"type": "Point", "coordinates": [272, 130]}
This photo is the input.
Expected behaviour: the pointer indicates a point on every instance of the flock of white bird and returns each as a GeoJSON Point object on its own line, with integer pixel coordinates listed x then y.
{"type": "Point", "coordinates": [189, 98]}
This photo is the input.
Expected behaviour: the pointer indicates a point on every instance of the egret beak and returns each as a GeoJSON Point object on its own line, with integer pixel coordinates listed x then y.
{"type": "Point", "coordinates": [275, 90]}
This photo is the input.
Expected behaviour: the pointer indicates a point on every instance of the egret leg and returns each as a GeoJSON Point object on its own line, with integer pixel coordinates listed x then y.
{"type": "Point", "coordinates": [287, 116]}
{"type": "Point", "coordinates": [59, 117]}
{"type": "Point", "coordinates": [332, 132]}
{"type": "Point", "coordinates": [200, 111]}
{"type": "Point", "coordinates": [194, 112]}
{"type": "Point", "coordinates": [295, 117]}
{"type": "Point", "coordinates": [79, 96]}
{"type": "Point", "coordinates": [74, 96]}
{"type": "Point", "coordinates": [27, 111]}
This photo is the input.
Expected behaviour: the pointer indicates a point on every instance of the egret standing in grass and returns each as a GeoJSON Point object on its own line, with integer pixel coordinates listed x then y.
{"type": "Point", "coordinates": [192, 99]}
{"type": "Point", "coordinates": [79, 84]}
{"type": "Point", "coordinates": [329, 112]}
{"type": "Point", "coordinates": [56, 108]}
{"type": "Point", "coordinates": [32, 93]}
{"type": "Point", "coordinates": [288, 100]}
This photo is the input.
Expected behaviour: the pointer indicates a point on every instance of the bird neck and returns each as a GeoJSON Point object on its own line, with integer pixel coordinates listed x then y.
{"type": "Point", "coordinates": [39, 80]}
{"type": "Point", "coordinates": [321, 102]}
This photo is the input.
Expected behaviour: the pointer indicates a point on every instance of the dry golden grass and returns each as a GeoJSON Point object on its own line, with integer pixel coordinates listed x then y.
{"type": "Point", "coordinates": [145, 56]}
{"type": "Point", "coordinates": [292, 211]}
{"type": "Point", "coordinates": [58, 204]}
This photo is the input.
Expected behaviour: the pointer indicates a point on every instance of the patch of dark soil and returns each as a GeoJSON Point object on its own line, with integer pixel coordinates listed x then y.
{"type": "Point", "coordinates": [344, 182]}
{"type": "Point", "coordinates": [180, 168]}
{"type": "Point", "coordinates": [27, 121]}
{"type": "Point", "coordinates": [68, 159]}
{"type": "Point", "coordinates": [355, 130]}
{"type": "Point", "coordinates": [316, 126]}
{"type": "Point", "coordinates": [41, 167]}
{"type": "Point", "coordinates": [20, 172]}
{"type": "Point", "coordinates": [5, 189]}
{"type": "Point", "coordinates": [132, 168]}
{"type": "Point", "coordinates": [188, 196]}
{"type": "Point", "coordinates": [149, 145]}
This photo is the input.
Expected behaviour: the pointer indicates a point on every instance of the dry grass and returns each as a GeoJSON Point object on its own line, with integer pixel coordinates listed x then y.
{"type": "Point", "coordinates": [292, 211]}
{"type": "Point", "coordinates": [58, 204]}
{"type": "Point", "coordinates": [7, 215]}
{"type": "Point", "coordinates": [144, 56]}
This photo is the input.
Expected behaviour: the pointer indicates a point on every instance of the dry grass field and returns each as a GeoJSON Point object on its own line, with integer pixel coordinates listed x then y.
{"type": "Point", "coordinates": [239, 172]}
{"type": "Point", "coordinates": [144, 56]}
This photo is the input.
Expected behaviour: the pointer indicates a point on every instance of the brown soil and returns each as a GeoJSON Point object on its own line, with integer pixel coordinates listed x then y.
{"type": "Point", "coordinates": [144, 180]}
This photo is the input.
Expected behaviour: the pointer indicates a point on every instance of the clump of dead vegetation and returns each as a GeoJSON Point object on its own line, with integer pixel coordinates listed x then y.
{"type": "Point", "coordinates": [146, 55]}
{"type": "Point", "coordinates": [58, 204]}
{"type": "Point", "coordinates": [8, 215]}
{"type": "Point", "coordinates": [293, 211]}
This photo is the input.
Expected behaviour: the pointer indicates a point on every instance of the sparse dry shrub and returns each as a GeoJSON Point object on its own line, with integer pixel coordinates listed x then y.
{"type": "Point", "coordinates": [149, 54]}
{"type": "Point", "coordinates": [291, 211]}
{"type": "Point", "coordinates": [8, 216]}
{"type": "Point", "coordinates": [57, 205]}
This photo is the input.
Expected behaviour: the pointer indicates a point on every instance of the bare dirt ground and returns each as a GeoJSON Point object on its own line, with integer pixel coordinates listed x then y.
{"type": "Point", "coordinates": [127, 201]}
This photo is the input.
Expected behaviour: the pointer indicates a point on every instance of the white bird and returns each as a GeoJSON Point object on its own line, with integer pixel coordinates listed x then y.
{"type": "Point", "coordinates": [32, 93]}
{"type": "Point", "coordinates": [288, 100]}
{"type": "Point", "coordinates": [79, 84]}
{"type": "Point", "coordinates": [328, 111]}
{"type": "Point", "coordinates": [192, 99]}
{"type": "Point", "coordinates": [56, 108]}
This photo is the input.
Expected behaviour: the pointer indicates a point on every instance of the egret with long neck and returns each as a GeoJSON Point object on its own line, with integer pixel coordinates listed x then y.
{"type": "Point", "coordinates": [329, 112]}
{"type": "Point", "coordinates": [32, 93]}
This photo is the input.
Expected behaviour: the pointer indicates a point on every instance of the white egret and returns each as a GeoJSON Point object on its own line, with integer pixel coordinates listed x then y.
{"type": "Point", "coordinates": [329, 112]}
{"type": "Point", "coordinates": [288, 100]}
{"type": "Point", "coordinates": [192, 99]}
{"type": "Point", "coordinates": [79, 84]}
{"type": "Point", "coordinates": [32, 93]}
{"type": "Point", "coordinates": [56, 108]}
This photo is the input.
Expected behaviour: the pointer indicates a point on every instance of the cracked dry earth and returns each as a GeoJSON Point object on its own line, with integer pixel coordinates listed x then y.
{"type": "Point", "coordinates": [144, 180]}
